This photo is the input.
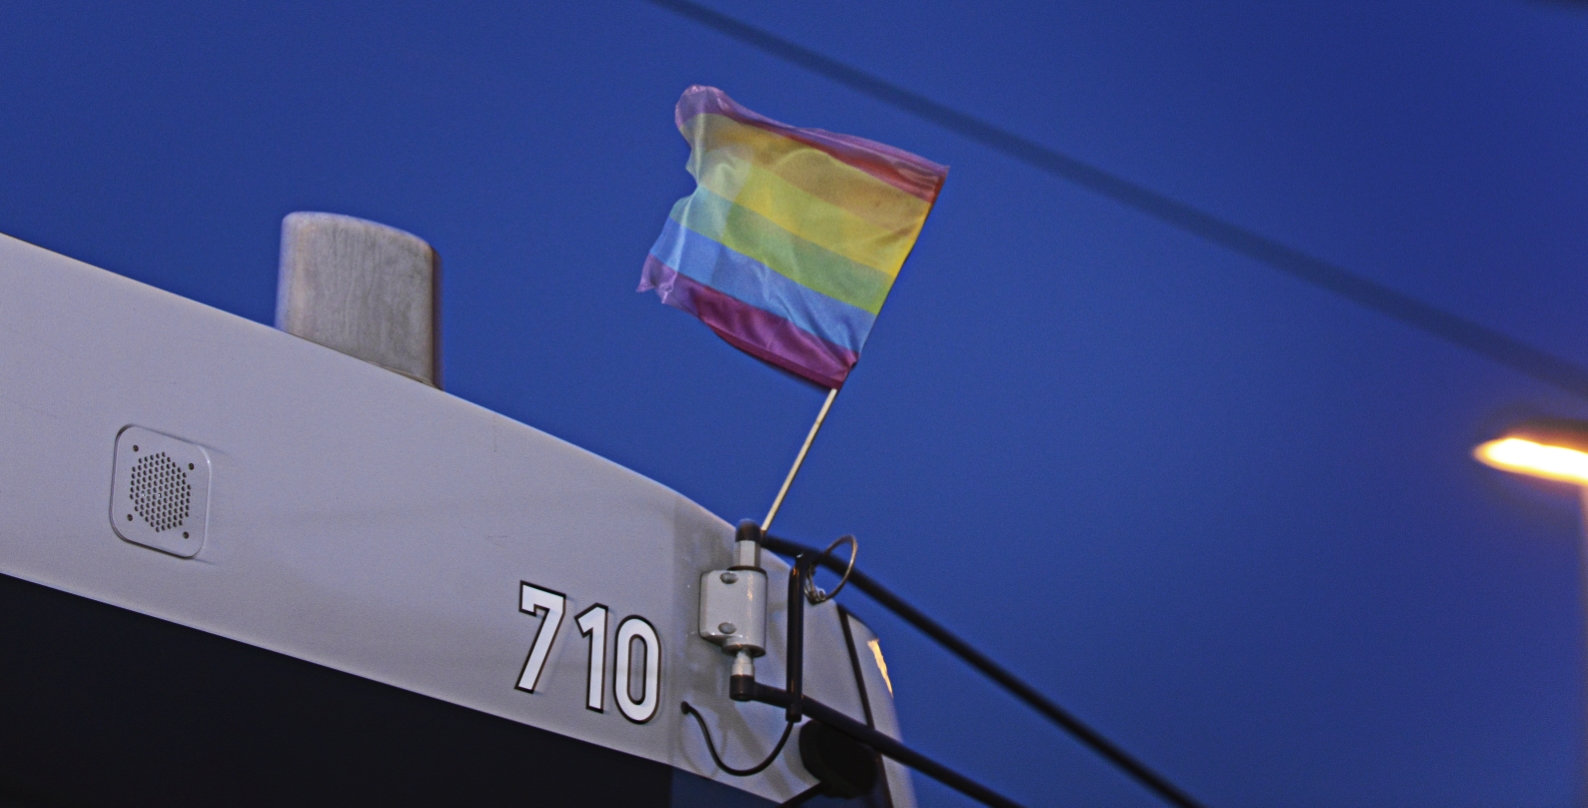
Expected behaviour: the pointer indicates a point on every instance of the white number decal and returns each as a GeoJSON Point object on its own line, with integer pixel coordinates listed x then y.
{"type": "Point", "coordinates": [593, 624]}
{"type": "Point", "coordinates": [634, 631]}
{"type": "Point", "coordinates": [638, 629]}
{"type": "Point", "coordinates": [532, 600]}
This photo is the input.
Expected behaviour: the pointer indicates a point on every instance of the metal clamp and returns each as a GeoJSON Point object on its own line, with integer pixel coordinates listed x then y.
{"type": "Point", "coordinates": [733, 600]}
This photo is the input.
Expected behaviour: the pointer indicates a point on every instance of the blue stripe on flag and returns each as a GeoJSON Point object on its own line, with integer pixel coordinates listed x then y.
{"type": "Point", "coordinates": [745, 279]}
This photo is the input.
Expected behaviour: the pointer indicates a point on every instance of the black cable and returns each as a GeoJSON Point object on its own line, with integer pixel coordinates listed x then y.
{"type": "Point", "coordinates": [1453, 328]}
{"type": "Point", "coordinates": [992, 670]}
{"type": "Point", "coordinates": [744, 687]}
{"type": "Point", "coordinates": [883, 743]}
{"type": "Point", "coordinates": [788, 729]}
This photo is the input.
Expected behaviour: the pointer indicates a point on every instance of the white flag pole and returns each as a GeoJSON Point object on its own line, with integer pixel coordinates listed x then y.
{"type": "Point", "coordinates": [766, 524]}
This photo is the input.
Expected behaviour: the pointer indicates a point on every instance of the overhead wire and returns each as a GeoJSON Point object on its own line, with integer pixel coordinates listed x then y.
{"type": "Point", "coordinates": [1034, 699]}
{"type": "Point", "coordinates": [798, 704]}
{"type": "Point", "coordinates": [1448, 326]}
{"type": "Point", "coordinates": [1360, 290]}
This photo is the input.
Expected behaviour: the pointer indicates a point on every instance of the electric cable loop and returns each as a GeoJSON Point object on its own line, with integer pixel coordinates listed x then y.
{"type": "Point", "coordinates": [815, 594]}
{"type": "Point", "coordinates": [788, 729]}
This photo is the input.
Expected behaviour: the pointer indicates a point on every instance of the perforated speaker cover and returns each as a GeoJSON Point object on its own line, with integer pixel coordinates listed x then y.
{"type": "Point", "coordinates": [161, 493]}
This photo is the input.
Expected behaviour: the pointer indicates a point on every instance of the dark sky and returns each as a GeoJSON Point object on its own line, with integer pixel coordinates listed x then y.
{"type": "Point", "coordinates": [1225, 516]}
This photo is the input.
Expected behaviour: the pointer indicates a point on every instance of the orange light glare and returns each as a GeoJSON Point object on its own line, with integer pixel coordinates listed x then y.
{"type": "Point", "coordinates": [1537, 459]}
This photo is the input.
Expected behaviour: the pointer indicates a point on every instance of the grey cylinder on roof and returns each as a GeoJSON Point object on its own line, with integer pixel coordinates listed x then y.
{"type": "Point", "coordinates": [362, 288]}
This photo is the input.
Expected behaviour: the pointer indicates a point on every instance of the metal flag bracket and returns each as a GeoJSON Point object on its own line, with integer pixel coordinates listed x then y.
{"type": "Point", "coordinates": [733, 616]}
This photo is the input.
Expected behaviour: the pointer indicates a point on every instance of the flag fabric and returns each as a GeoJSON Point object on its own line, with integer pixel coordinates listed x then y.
{"type": "Point", "coordinates": [793, 237]}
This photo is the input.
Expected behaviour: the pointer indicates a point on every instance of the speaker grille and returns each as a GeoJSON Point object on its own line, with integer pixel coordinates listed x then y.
{"type": "Point", "coordinates": [166, 481]}
{"type": "Point", "coordinates": [160, 492]}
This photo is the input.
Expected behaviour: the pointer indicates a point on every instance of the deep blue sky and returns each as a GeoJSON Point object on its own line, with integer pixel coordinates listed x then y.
{"type": "Point", "coordinates": [1226, 517]}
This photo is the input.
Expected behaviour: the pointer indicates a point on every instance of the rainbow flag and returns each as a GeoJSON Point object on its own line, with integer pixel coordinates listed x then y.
{"type": "Point", "coordinates": [792, 238]}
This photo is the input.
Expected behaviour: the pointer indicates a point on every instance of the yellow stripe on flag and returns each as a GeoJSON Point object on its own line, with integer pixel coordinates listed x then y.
{"type": "Point", "coordinates": [805, 215]}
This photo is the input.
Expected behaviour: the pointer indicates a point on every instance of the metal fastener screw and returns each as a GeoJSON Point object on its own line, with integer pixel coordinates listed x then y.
{"type": "Point", "coordinates": [728, 578]}
{"type": "Point", "coordinates": [727, 628]}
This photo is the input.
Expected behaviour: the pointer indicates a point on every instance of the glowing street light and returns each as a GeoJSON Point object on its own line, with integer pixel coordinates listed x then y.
{"type": "Point", "coordinates": [1552, 448]}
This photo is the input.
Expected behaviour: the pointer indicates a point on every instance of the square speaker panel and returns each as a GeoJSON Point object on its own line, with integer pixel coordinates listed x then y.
{"type": "Point", "coordinates": [161, 494]}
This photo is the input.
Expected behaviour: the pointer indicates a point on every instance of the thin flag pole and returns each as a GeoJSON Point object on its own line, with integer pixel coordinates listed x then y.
{"type": "Point", "coordinates": [766, 524]}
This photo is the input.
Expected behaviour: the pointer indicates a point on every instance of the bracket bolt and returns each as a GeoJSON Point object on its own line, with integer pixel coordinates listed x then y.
{"type": "Point", "coordinates": [727, 628]}
{"type": "Point", "coordinates": [729, 577]}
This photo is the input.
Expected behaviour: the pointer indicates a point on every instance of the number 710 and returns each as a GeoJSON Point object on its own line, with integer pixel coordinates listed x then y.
{"type": "Point", "coordinates": [549, 606]}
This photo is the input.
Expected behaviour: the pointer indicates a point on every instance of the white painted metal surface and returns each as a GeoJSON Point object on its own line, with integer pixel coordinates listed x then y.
{"type": "Point", "coordinates": [367, 523]}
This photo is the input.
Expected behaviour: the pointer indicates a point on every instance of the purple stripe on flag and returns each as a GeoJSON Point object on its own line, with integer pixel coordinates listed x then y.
{"type": "Point", "coordinates": [761, 334]}
{"type": "Point", "coordinates": [908, 172]}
